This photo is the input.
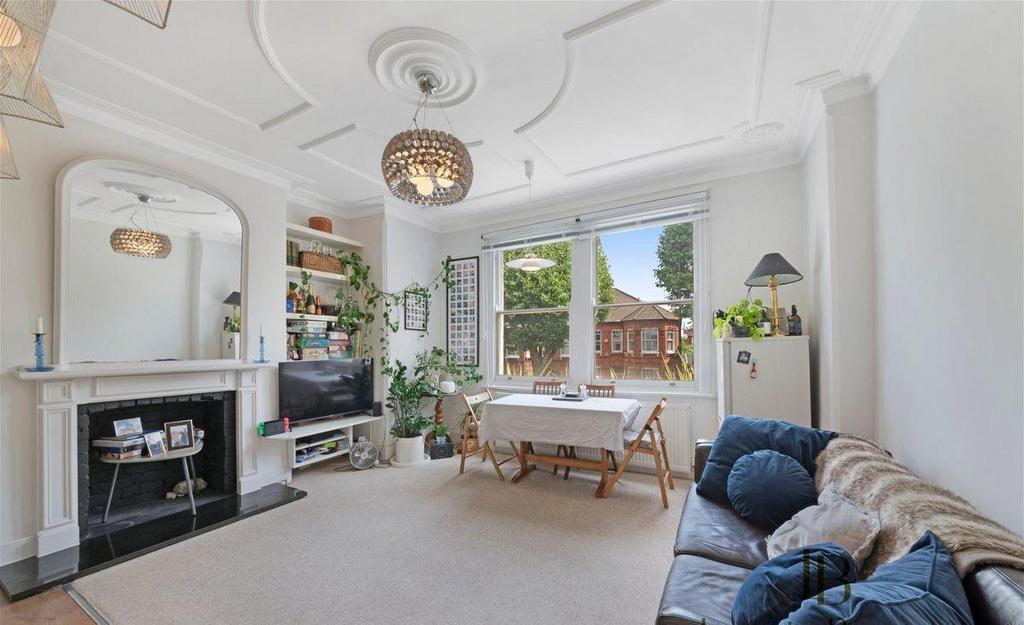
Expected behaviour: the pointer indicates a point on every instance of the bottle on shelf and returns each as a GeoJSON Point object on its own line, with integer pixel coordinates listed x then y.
{"type": "Point", "coordinates": [310, 305]}
{"type": "Point", "coordinates": [766, 322]}
{"type": "Point", "coordinates": [795, 323]}
{"type": "Point", "coordinates": [319, 308]}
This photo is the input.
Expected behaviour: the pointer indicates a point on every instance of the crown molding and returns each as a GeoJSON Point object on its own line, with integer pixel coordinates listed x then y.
{"type": "Point", "coordinates": [91, 108]}
{"type": "Point", "coordinates": [153, 80]}
{"type": "Point", "coordinates": [636, 190]}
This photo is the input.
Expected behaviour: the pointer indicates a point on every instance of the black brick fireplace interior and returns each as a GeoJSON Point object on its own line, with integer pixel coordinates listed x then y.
{"type": "Point", "coordinates": [140, 494]}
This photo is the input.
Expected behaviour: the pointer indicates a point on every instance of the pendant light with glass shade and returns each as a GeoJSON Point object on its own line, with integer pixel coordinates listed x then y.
{"type": "Point", "coordinates": [135, 240]}
{"type": "Point", "coordinates": [530, 263]}
{"type": "Point", "coordinates": [428, 167]}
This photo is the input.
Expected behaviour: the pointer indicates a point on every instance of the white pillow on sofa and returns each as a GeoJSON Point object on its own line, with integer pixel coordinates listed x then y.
{"type": "Point", "coordinates": [835, 519]}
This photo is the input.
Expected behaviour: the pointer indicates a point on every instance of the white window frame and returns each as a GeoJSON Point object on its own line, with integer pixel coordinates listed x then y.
{"type": "Point", "coordinates": [583, 355]}
{"type": "Point", "coordinates": [670, 341]}
{"type": "Point", "coordinates": [630, 348]}
{"type": "Point", "coordinates": [644, 339]}
{"type": "Point", "coordinates": [597, 344]}
{"type": "Point", "coordinates": [614, 350]}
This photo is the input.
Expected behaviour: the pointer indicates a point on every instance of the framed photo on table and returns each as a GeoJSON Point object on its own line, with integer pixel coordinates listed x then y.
{"type": "Point", "coordinates": [155, 444]}
{"type": "Point", "coordinates": [180, 435]}
{"type": "Point", "coordinates": [463, 311]}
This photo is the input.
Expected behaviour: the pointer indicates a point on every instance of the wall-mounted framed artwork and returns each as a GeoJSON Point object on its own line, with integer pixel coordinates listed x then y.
{"type": "Point", "coordinates": [415, 311]}
{"type": "Point", "coordinates": [463, 311]}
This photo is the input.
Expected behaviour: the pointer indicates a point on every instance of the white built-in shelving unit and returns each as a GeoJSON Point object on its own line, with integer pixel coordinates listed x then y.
{"type": "Point", "coordinates": [307, 435]}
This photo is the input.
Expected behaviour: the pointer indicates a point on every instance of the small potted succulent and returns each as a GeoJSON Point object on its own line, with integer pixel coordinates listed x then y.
{"type": "Point", "coordinates": [441, 432]}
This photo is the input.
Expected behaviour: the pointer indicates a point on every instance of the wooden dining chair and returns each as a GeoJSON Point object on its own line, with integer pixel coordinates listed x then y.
{"type": "Point", "coordinates": [647, 439]}
{"type": "Point", "coordinates": [485, 446]}
{"type": "Point", "coordinates": [547, 387]}
{"type": "Point", "coordinates": [593, 390]}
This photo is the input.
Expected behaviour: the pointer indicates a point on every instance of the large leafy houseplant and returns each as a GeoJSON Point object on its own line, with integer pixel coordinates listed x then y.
{"type": "Point", "coordinates": [434, 365]}
{"type": "Point", "coordinates": [743, 314]}
{"type": "Point", "coordinates": [405, 395]}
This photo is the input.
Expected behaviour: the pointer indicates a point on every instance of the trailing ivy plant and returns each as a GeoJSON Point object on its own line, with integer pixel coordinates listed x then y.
{"type": "Point", "coordinates": [359, 300]}
{"type": "Point", "coordinates": [743, 314]}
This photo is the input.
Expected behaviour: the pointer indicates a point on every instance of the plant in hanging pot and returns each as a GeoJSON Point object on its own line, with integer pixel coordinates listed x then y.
{"type": "Point", "coordinates": [405, 394]}
{"type": "Point", "coordinates": [742, 319]}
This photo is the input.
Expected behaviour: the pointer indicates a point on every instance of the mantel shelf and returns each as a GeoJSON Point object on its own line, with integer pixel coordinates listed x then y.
{"type": "Point", "coordinates": [106, 369]}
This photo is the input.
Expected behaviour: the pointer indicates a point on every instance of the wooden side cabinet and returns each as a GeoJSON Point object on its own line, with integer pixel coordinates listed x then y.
{"type": "Point", "coordinates": [773, 383]}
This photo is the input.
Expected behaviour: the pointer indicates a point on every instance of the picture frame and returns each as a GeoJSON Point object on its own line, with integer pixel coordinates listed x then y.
{"type": "Point", "coordinates": [126, 428]}
{"type": "Point", "coordinates": [180, 434]}
{"type": "Point", "coordinates": [415, 311]}
{"type": "Point", "coordinates": [155, 444]}
{"type": "Point", "coordinates": [462, 311]}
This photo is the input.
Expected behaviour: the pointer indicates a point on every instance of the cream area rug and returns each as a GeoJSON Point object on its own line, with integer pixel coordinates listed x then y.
{"type": "Point", "coordinates": [414, 546]}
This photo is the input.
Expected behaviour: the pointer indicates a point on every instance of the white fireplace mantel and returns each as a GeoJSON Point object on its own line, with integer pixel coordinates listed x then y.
{"type": "Point", "coordinates": [59, 393]}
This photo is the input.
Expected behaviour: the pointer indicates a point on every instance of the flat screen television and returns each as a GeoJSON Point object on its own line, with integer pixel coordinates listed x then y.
{"type": "Point", "coordinates": [313, 389]}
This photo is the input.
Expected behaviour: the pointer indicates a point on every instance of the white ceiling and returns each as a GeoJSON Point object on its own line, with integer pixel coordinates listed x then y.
{"type": "Point", "coordinates": [596, 93]}
{"type": "Point", "coordinates": [109, 195]}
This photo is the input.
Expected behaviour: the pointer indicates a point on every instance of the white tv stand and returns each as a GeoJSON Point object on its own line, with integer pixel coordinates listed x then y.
{"type": "Point", "coordinates": [307, 435]}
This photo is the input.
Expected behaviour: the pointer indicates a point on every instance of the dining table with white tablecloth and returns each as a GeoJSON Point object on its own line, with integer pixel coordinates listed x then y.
{"type": "Point", "coordinates": [595, 422]}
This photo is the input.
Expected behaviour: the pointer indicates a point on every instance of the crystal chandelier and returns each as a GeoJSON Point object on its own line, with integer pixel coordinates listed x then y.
{"type": "Point", "coordinates": [134, 240]}
{"type": "Point", "coordinates": [428, 167]}
{"type": "Point", "coordinates": [530, 263]}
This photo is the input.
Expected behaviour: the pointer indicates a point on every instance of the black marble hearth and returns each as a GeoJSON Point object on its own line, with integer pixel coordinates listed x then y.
{"type": "Point", "coordinates": [141, 488]}
{"type": "Point", "coordinates": [34, 575]}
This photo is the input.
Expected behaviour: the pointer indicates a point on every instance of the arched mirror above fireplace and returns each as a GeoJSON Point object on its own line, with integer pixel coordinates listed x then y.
{"type": "Point", "coordinates": [149, 267]}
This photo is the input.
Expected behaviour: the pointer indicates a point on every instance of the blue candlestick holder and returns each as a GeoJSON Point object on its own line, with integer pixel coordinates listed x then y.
{"type": "Point", "coordinates": [40, 354]}
{"type": "Point", "coordinates": [263, 357]}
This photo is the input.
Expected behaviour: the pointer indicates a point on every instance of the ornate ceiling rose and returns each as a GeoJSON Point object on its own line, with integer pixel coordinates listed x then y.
{"type": "Point", "coordinates": [427, 167]}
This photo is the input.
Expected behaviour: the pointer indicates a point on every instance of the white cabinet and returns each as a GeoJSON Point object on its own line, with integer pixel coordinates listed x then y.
{"type": "Point", "coordinates": [773, 383]}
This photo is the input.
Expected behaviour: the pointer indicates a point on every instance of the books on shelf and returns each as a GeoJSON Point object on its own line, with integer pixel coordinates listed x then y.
{"type": "Point", "coordinates": [117, 444]}
{"type": "Point", "coordinates": [303, 326]}
{"type": "Point", "coordinates": [122, 455]}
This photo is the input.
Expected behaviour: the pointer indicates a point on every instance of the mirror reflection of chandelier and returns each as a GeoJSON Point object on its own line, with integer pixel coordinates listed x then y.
{"type": "Point", "coordinates": [530, 262]}
{"type": "Point", "coordinates": [428, 167]}
{"type": "Point", "coordinates": [135, 240]}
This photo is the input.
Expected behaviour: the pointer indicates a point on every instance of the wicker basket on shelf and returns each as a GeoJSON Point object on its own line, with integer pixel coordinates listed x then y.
{"type": "Point", "coordinates": [323, 224]}
{"type": "Point", "coordinates": [316, 259]}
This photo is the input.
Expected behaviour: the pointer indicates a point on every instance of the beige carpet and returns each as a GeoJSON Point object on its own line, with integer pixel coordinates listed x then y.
{"type": "Point", "coordinates": [414, 546]}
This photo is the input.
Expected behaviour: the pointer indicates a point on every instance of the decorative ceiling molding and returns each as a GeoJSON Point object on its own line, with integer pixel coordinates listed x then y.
{"type": "Point", "coordinates": [312, 143]}
{"type": "Point", "coordinates": [258, 25]}
{"type": "Point", "coordinates": [637, 190]}
{"type": "Point", "coordinates": [134, 71]}
{"type": "Point", "coordinates": [399, 56]}
{"type": "Point", "coordinates": [764, 30]}
{"type": "Point", "coordinates": [89, 107]}
{"type": "Point", "coordinates": [570, 55]}
{"type": "Point", "coordinates": [846, 89]}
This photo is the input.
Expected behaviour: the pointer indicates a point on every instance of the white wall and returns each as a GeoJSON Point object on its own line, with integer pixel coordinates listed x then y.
{"type": "Point", "coordinates": [818, 197]}
{"type": "Point", "coordinates": [949, 242]}
{"type": "Point", "coordinates": [125, 307]}
{"type": "Point", "coordinates": [219, 274]}
{"type": "Point", "coordinates": [26, 281]}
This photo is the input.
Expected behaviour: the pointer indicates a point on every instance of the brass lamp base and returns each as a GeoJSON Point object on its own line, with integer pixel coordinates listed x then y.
{"type": "Point", "coordinates": [773, 287]}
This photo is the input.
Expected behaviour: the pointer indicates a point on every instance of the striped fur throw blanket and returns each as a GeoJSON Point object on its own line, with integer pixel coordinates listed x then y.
{"type": "Point", "coordinates": [908, 505]}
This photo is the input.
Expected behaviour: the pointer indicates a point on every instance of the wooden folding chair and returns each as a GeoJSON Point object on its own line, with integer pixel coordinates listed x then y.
{"type": "Point", "coordinates": [485, 446]}
{"type": "Point", "coordinates": [650, 440]}
{"type": "Point", "coordinates": [593, 390]}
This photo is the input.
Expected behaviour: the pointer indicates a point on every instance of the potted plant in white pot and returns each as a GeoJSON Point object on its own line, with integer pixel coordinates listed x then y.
{"type": "Point", "coordinates": [405, 395]}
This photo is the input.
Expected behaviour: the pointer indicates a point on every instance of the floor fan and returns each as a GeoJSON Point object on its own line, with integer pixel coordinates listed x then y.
{"type": "Point", "coordinates": [363, 454]}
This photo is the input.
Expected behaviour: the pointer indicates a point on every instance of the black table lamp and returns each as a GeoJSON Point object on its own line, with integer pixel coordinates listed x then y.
{"type": "Point", "coordinates": [234, 300]}
{"type": "Point", "coordinates": [772, 271]}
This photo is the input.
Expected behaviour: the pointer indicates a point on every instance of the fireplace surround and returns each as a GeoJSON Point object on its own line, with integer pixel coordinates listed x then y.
{"type": "Point", "coordinates": [141, 488]}
{"type": "Point", "coordinates": [62, 391]}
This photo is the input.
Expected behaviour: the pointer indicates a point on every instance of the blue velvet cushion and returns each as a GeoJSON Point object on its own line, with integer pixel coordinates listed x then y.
{"type": "Point", "coordinates": [767, 488]}
{"type": "Point", "coordinates": [921, 587]}
{"type": "Point", "coordinates": [740, 436]}
{"type": "Point", "coordinates": [778, 586]}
